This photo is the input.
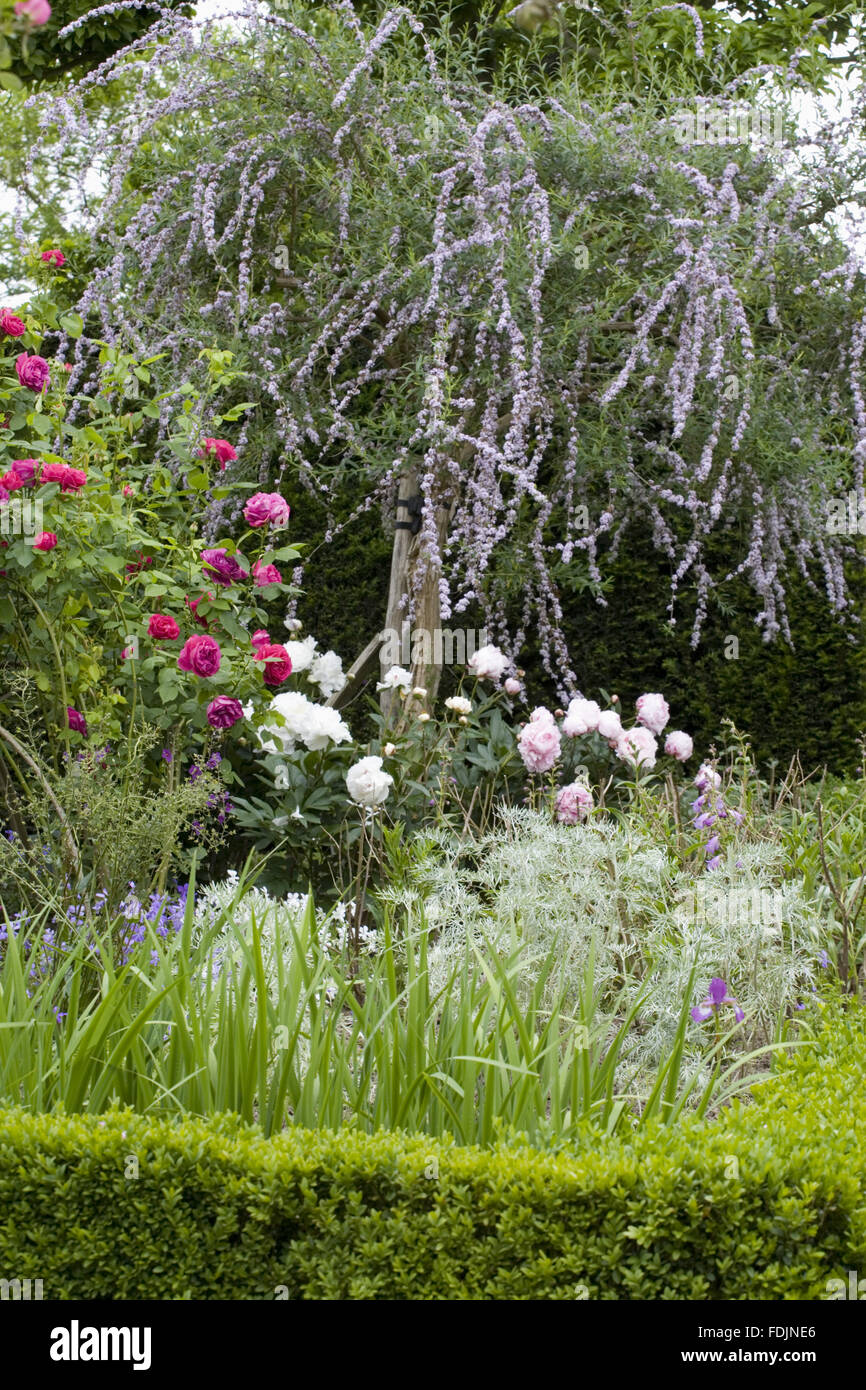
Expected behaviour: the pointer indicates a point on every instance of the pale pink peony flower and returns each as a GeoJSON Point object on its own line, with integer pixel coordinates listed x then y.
{"type": "Point", "coordinates": [488, 663]}
{"type": "Point", "coordinates": [539, 744]}
{"type": "Point", "coordinates": [541, 714]}
{"type": "Point", "coordinates": [678, 745]}
{"type": "Point", "coordinates": [610, 726]}
{"type": "Point", "coordinates": [638, 747]}
{"type": "Point", "coordinates": [653, 712]}
{"type": "Point", "coordinates": [581, 717]}
{"type": "Point", "coordinates": [512, 686]}
{"type": "Point", "coordinates": [38, 12]}
{"type": "Point", "coordinates": [573, 803]}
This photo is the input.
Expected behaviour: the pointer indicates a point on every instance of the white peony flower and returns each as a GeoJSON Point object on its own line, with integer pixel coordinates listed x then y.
{"type": "Point", "coordinates": [312, 725]}
{"type": "Point", "coordinates": [367, 784]}
{"type": "Point", "coordinates": [459, 704]}
{"type": "Point", "coordinates": [397, 678]}
{"type": "Point", "coordinates": [327, 673]}
{"type": "Point", "coordinates": [488, 663]}
{"type": "Point", "coordinates": [301, 654]}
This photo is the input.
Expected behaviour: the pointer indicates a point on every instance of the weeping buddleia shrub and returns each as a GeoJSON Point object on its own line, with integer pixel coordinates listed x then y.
{"type": "Point", "coordinates": [569, 317]}
{"type": "Point", "coordinates": [608, 904]}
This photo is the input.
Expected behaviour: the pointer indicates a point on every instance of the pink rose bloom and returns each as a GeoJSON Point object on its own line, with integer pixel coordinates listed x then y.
{"type": "Point", "coordinates": [512, 686]}
{"type": "Point", "coordinates": [581, 717]}
{"type": "Point", "coordinates": [76, 721]}
{"type": "Point", "coordinates": [539, 744]}
{"type": "Point", "coordinates": [707, 777]}
{"type": "Point", "coordinates": [266, 574]}
{"type": "Point", "coordinates": [37, 11]}
{"type": "Point", "coordinates": [201, 655]}
{"type": "Point", "coordinates": [11, 481]}
{"type": "Point", "coordinates": [610, 726]}
{"type": "Point", "coordinates": [638, 747]}
{"type": "Point", "coordinates": [33, 372]}
{"type": "Point", "coordinates": [25, 468]}
{"type": "Point", "coordinates": [652, 712]}
{"type": "Point", "coordinates": [128, 491]}
{"type": "Point", "coordinates": [277, 662]}
{"type": "Point", "coordinates": [224, 711]}
{"type": "Point", "coordinates": [11, 325]}
{"type": "Point", "coordinates": [222, 567]}
{"type": "Point", "coordinates": [266, 508]}
{"type": "Point", "coordinates": [221, 450]}
{"type": "Point", "coordinates": [163, 627]}
{"type": "Point", "coordinates": [678, 745]}
{"type": "Point", "coordinates": [260, 638]}
{"type": "Point", "coordinates": [46, 540]}
{"type": "Point", "coordinates": [573, 803]}
{"type": "Point", "coordinates": [53, 257]}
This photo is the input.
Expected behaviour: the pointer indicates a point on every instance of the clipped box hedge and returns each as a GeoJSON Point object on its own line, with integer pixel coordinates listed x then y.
{"type": "Point", "coordinates": [766, 1202]}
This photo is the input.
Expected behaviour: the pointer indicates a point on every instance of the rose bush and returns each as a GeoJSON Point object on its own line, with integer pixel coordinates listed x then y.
{"type": "Point", "coordinates": [111, 604]}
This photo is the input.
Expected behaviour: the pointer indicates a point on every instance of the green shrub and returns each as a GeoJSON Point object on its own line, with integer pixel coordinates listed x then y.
{"type": "Point", "coordinates": [764, 1203]}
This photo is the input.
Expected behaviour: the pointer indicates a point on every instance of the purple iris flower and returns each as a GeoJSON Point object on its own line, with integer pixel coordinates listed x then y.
{"type": "Point", "coordinates": [717, 995]}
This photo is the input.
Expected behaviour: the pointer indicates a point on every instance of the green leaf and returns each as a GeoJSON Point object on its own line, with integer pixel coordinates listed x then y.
{"type": "Point", "coordinates": [73, 324]}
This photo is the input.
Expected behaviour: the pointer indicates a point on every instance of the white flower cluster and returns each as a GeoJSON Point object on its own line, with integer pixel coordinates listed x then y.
{"type": "Point", "coordinates": [324, 669]}
{"type": "Point", "coordinates": [301, 721]}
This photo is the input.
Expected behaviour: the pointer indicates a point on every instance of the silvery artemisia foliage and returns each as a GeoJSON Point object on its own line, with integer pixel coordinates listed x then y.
{"type": "Point", "coordinates": [544, 308]}
{"type": "Point", "coordinates": [609, 888]}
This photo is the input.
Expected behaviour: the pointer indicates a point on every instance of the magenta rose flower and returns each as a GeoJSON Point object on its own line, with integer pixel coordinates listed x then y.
{"type": "Point", "coordinates": [267, 508]}
{"type": "Point", "coordinates": [222, 567]}
{"type": "Point", "coordinates": [46, 540]}
{"type": "Point", "coordinates": [53, 257]}
{"type": "Point", "coordinates": [277, 662]}
{"type": "Point", "coordinates": [11, 325]}
{"type": "Point", "coordinates": [26, 469]}
{"type": "Point", "coordinates": [162, 627]}
{"type": "Point", "coordinates": [220, 449]}
{"type": "Point", "coordinates": [37, 11]}
{"type": "Point", "coordinates": [201, 655]}
{"type": "Point", "coordinates": [76, 721]}
{"type": "Point", "coordinates": [33, 372]}
{"type": "Point", "coordinates": [73, 479]}
{"type": "Point", "coordinates": [224, 711]}
{"type": "Point", "coordinates": [266, 574]}
{"type": "Point", "coordinates": [11, 481]}
{"type": "Point", "coordinates": [260, 638]}
{"type": "Point", "coordinates": [52, 473]}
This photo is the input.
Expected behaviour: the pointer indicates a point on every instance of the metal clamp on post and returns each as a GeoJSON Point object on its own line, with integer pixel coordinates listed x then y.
{"type": "Point", "coordinates": [414, 506]}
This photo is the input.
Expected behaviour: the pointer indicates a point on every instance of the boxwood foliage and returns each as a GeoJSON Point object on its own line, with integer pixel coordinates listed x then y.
{"type": "Point", "coordinates": [766, 1202]}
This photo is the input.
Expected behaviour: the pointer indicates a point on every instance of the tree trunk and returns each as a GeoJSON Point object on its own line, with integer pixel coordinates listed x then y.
{"type": "Point", "coordinates": [417, 651]}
